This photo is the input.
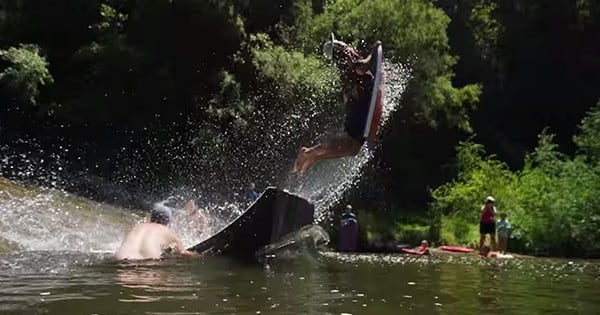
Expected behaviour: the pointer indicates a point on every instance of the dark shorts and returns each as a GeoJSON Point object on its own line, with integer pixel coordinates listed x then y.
{"type": "Point", "coordinates": [356, 118]}
{"type": "Point", "coordinates": [487, 227]}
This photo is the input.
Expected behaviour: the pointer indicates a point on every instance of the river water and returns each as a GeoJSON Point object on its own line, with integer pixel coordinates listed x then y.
{"type": "Point", "coordinates": [54, 282]}
{"type": "Point", "coordinates": [56, 258]}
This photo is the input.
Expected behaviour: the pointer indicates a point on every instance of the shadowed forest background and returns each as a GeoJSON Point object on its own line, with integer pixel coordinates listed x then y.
{"type": "Point", "coordinates": [146, 94]}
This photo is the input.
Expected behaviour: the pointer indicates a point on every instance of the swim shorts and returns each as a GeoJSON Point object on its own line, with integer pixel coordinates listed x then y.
{"type": "Point", "coordinates": [487, 227]}
{"type": "Point", "coordinates": [357, 111]}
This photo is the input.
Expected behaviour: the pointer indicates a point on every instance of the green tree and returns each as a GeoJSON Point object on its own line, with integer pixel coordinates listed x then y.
{"type": "Point", "coordinates": [25, 72]}
{"type": "Point", "coordinates": [413, 32]}
{"type": "Point", "coordinates": [588, 140]}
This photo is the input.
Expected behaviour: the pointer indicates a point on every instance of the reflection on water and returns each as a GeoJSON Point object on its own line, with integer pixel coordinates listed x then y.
{"type": "Point", "coordinates": [59, 283]}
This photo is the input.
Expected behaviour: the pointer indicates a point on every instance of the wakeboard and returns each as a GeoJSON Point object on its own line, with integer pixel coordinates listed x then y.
{"type": "Point", "coordinates": [376, 102]}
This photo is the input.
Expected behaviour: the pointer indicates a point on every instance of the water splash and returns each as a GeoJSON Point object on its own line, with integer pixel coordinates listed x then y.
{"type": "Point", "coordinates": [188, 226]}
{"type": "Point", "coordinates": [306, 240]}
{"type": "Point", "coordinates": [50, 219]}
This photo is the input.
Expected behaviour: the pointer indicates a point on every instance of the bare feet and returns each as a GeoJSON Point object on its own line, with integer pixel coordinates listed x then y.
{"type": "Point", "coordinates": [301, 159]}
{"type": "Point", "coordinates": [305, 159]}
{"type": "Point", "coordinates": [310, 160]}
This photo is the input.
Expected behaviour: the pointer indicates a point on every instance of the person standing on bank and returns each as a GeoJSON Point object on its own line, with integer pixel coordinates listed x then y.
{"type": "Point", "coordinates": [347, 215]}
{"type": "Point", "coordinates": [348, 231]}
{"type": "Point", "coordinates": [487, 223]}
{"type": "Point", "coordinates": [504, 228]}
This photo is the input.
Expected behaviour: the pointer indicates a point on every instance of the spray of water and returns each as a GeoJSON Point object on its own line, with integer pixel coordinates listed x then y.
{"type": "Point", "coordinates": [323, 185]}
{"type": "Point", "coordinates": [51, 219]}
{"type": "Point", "coordinates": [305, 240]}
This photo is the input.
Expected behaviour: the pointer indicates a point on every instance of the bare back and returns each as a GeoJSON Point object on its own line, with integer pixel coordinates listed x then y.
{"type": "Point", "coordinates": [149, 241]}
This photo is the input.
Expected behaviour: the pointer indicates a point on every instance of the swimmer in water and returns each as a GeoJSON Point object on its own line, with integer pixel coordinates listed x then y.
{"type": "Point", "coordinates": [152, 240]}
{"type": "Point", "coordinates": [197, 218]}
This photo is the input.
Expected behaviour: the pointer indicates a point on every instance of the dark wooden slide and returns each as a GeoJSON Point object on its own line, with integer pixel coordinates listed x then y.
{"type": "Point", "coordinates": [274, 214]}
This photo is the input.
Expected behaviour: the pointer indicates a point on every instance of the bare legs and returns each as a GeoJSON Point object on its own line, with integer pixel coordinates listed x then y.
{"type": "Point", "coordinates": [492, 241]}
{"type": "Point", "coordinates": [502, 244]}
{"type": "Point", "coordinates": [336, 148]}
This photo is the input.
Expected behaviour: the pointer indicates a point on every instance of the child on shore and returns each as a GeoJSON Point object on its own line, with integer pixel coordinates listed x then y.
{"type": "Point", "coordinates": [503, 231]}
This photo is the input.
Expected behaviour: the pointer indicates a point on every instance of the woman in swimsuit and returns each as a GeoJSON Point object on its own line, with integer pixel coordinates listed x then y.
{"type": "Point", "coordinates": [487, 225]}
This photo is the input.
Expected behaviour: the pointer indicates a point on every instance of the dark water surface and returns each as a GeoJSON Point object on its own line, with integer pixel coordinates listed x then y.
{"type": "Point", "coordinates": [76, 283]}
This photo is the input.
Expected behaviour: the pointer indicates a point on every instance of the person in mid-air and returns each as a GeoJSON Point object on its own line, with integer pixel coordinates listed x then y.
{"type": "Point", "coordinates": [152, 240]}
{"type": "Point", "coordinates": [357, 85]}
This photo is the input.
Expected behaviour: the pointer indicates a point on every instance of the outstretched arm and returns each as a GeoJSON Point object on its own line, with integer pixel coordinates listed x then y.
{"type": "Point", "coordinates": [364, 65]}
{"type": "Point", "coordinates": [182, 249]}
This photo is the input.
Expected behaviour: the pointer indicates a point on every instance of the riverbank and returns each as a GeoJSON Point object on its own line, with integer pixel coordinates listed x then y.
{"type": "Point", "coordinates": [383, 235]}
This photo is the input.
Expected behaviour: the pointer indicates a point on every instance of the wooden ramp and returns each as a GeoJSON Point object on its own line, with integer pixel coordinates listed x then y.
{"type": "Point", "coordinates": [274, 214]}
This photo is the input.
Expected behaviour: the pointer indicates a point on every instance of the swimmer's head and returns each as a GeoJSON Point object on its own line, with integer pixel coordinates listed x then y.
{"type": "Point", "coordinates": [160, 214]}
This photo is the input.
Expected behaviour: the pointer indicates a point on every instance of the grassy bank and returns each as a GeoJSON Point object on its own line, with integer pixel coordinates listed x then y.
{"type": "Point", "coordinates": [377, 233]}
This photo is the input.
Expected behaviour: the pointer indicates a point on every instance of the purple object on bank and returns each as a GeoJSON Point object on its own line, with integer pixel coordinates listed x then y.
{"type": "Point", "coordinates": [349, 235]}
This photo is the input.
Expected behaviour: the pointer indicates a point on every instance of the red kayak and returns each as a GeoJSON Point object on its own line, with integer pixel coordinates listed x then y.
{"type": "Point", "coordinates": [457, 249]}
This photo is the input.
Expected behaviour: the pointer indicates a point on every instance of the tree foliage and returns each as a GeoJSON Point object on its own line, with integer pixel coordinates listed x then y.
{"type": "Point", "coordinates": [138, 65]}
{"type": "Point", "coordinates": [25, 72]}
{"type": "Point", "coordinates": [588, 139]}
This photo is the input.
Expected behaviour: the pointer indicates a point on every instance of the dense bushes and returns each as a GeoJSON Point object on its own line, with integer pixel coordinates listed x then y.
{"type": "Point", "coordinates": [552, 202]}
